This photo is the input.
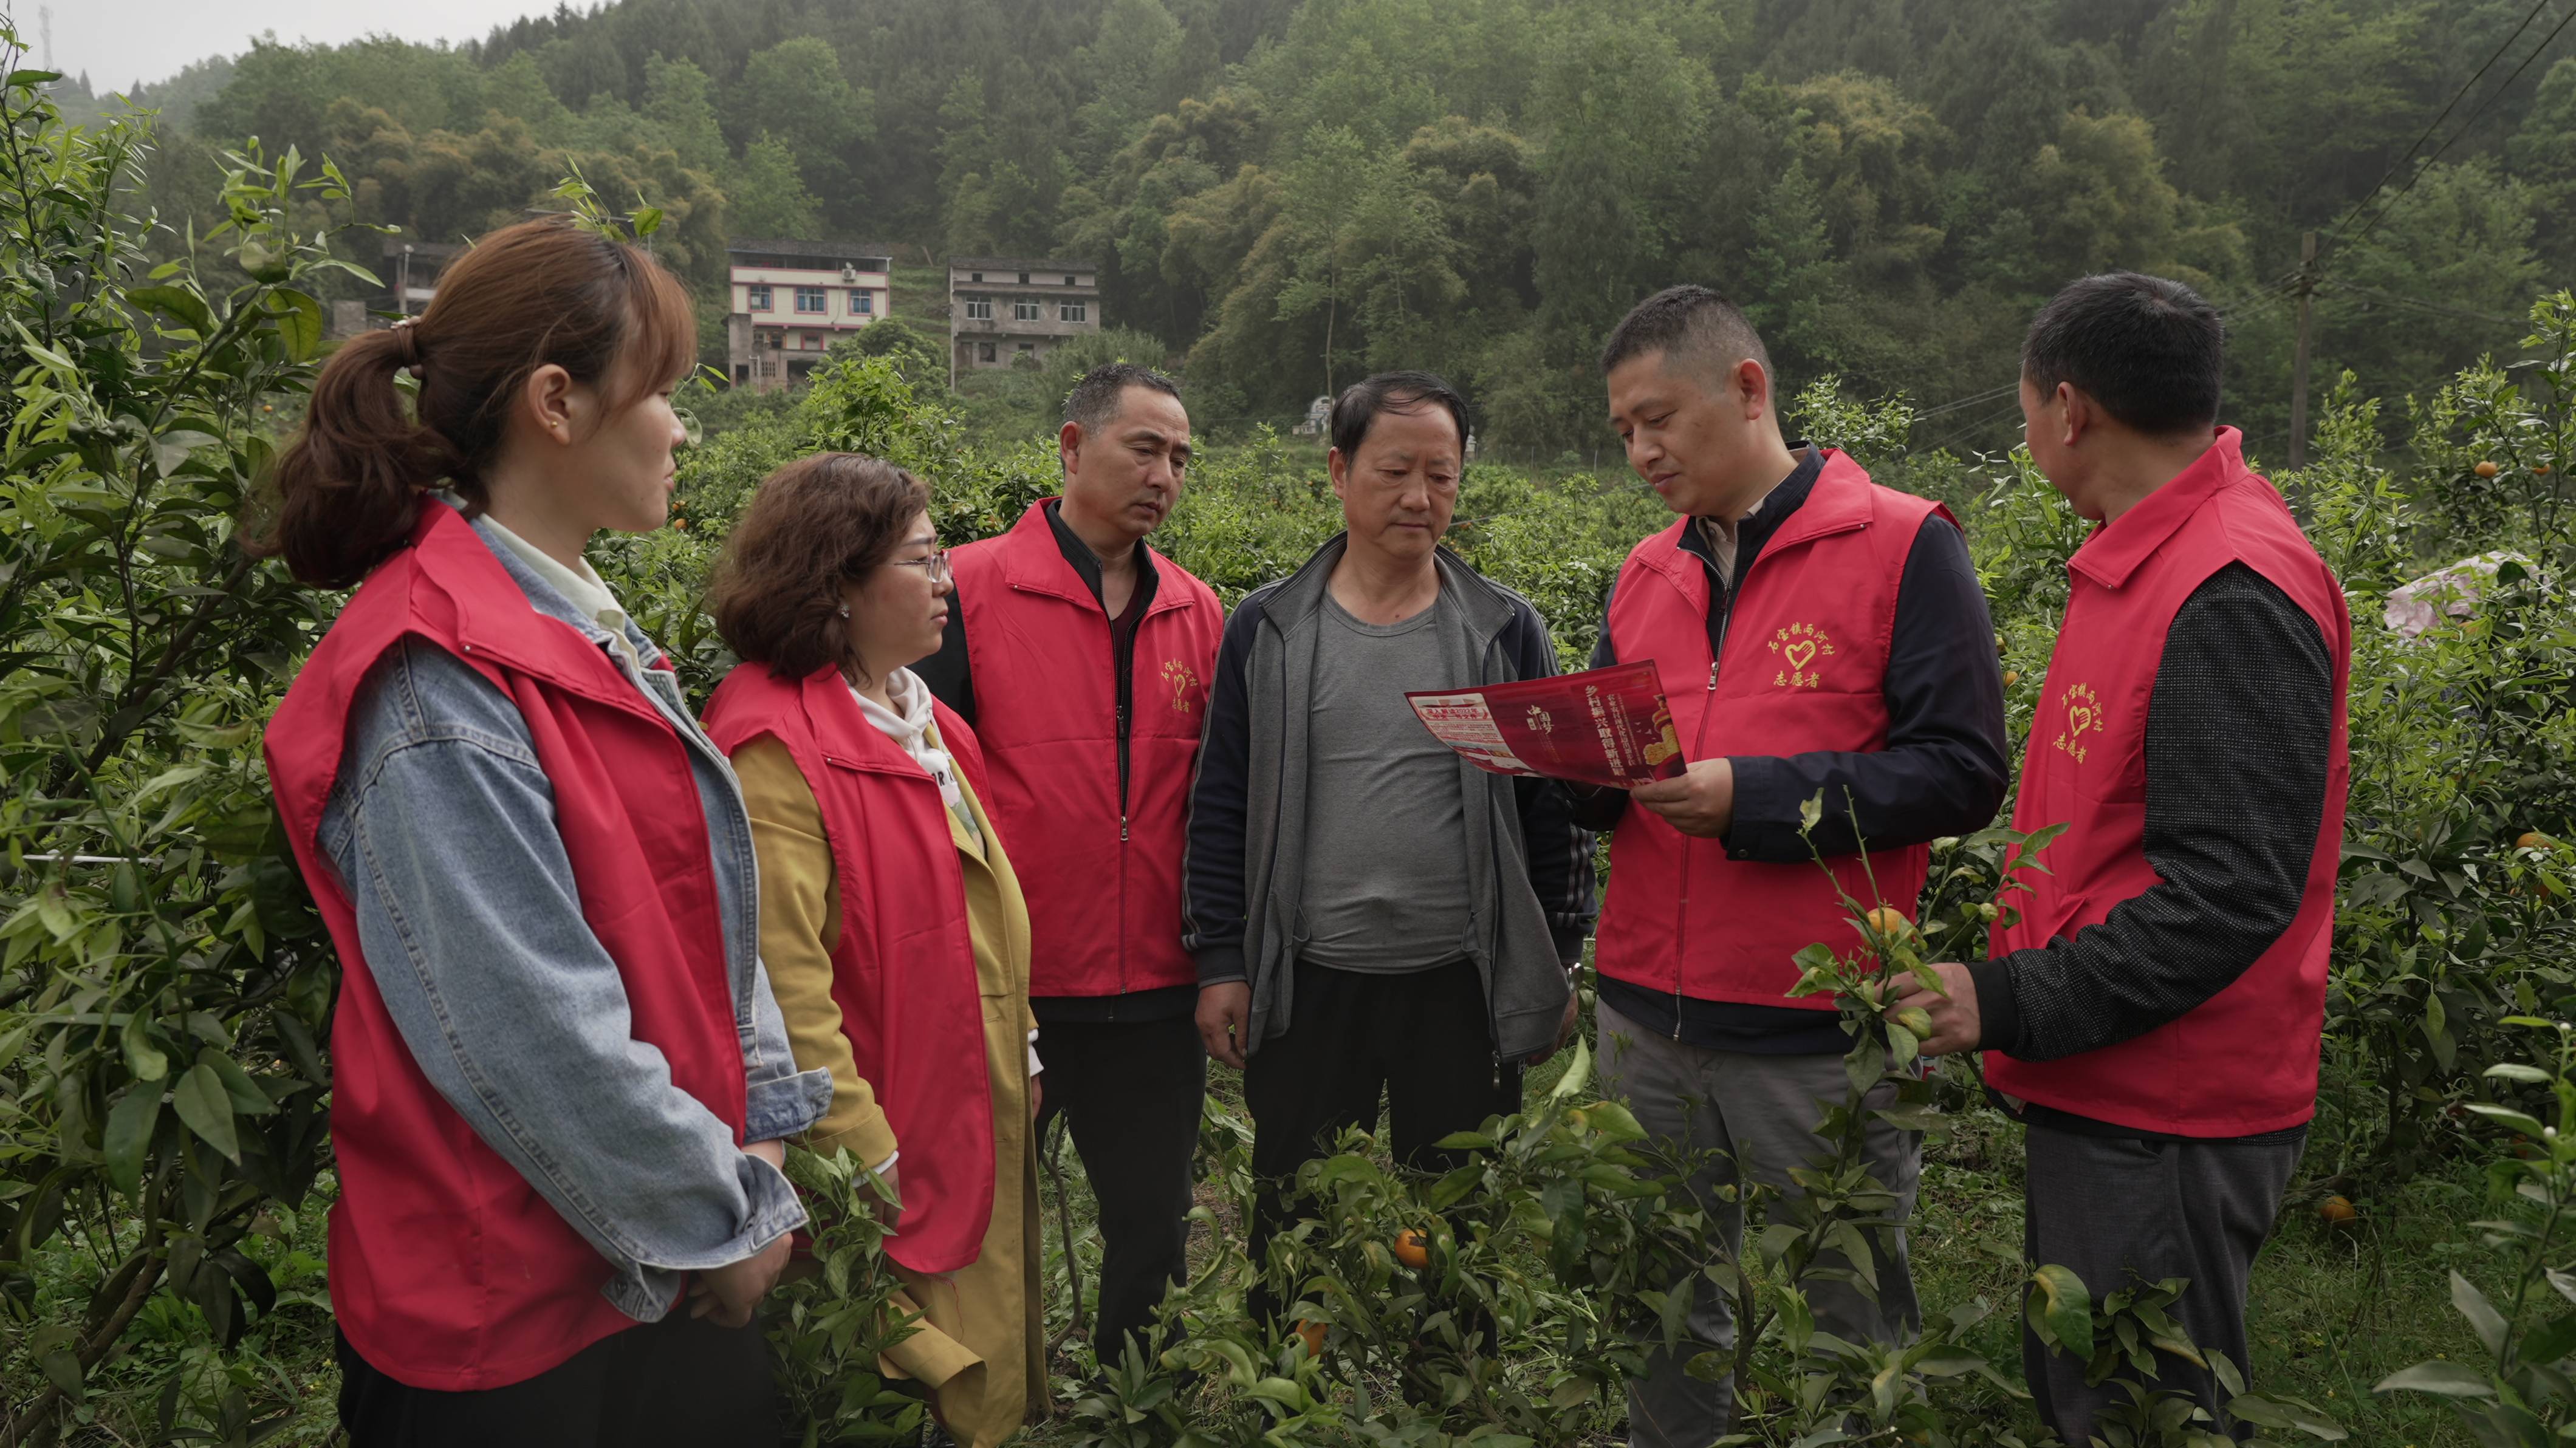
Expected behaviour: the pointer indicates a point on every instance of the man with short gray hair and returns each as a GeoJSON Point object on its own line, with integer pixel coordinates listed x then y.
{"type": "Point", "coordinates": [1375, 918]}
{"type": "Point", "coordinates": [1081, 658]}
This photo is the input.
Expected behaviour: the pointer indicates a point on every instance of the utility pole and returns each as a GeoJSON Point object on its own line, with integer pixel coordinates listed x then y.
{"type": "Point", "coordinates": [2299, 360]}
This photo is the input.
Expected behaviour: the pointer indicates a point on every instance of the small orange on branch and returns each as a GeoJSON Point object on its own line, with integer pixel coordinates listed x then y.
{"type": "Point", "coordinates": [1412, 1248]}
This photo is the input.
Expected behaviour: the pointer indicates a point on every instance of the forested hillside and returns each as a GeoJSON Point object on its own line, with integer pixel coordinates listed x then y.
{"type": "Point", "coordinates": [1288, 194]}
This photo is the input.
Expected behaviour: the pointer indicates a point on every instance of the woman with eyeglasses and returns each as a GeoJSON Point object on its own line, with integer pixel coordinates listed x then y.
{"type": "Point", "coordinates": [893, 928]}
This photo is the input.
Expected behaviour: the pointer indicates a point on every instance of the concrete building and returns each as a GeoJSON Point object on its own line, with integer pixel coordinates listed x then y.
{"type": "Point", "coordinates": [1001, 309]}
{"type": "Point", "coordinates": [791, 299]}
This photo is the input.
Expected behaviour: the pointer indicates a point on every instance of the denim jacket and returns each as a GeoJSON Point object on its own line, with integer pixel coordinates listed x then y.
{"type": "Point", "coordinates": [442, 825]}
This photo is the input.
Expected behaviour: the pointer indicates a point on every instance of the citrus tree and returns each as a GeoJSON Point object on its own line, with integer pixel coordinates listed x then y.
{"type": "Point", "coordinates": [162, 990]}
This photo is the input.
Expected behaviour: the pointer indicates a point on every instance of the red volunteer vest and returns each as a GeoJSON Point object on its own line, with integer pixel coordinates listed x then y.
{"type": "Point", "coordinates": [2245, 1060]}
{"type": "Point", "coordinates": [1805, 668]}
{"type": "Point", "coordinates": [903, 973]}
{"type": "Point", "coordinates": [1102, 875]}
{"type": "Point", "coordinates": [448, 1270]}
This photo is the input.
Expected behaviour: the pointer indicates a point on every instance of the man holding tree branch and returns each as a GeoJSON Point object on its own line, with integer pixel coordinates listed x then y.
{"type": "Point", "coordinates": [2153, 1015]}
{"type": "Point", "coordinates": [1817, 635]}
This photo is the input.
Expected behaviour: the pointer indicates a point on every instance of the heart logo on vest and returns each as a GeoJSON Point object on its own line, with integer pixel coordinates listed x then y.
{"type": "Point", "coordinates": [2083, 716]}
{"type": "Point", "coordinates": [1799, 645]}
{"type": "Point", "coordinates": [1182, 679]}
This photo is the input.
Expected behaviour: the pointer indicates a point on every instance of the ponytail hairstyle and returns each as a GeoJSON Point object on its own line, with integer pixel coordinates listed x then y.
{"type": "Point", "coordinates": [540, 292]}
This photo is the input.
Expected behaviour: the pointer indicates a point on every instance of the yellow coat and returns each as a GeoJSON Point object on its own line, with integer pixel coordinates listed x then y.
{"type": "Point", "coordinates": [980, 1345]}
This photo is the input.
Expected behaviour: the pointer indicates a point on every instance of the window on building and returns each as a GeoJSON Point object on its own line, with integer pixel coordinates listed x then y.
{"type": "Point", "coordinates": [758, 298]}
{"type": "Point", "coordinates": [1024, 279]}
{"type": "Point", "coordinates": [863, 304]}
{"type": "Point", "coordinates": [1068, 281]}
{"type": "Point", "coordinates": [974, 276]}
{"type": "Point", "coordinates": [1073, 311]}
{"type": "Point", "coordinates": [810, 299]}
{"type": "Point", "coordinates": [1024, 311]}
{"type": "Point", "coordinates": [979, 309]}
{"type": "Point", "coordinates": [983, 351]}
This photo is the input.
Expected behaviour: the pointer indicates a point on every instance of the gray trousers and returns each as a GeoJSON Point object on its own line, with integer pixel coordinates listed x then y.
{"type": "Point", "coordinates": [1763, 1110]}
{"type": "Point", "coordinates": [2117, 1210]}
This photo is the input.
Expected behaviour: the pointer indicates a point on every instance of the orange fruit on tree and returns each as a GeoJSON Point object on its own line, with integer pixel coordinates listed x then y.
{"type": "Point", "coordinates": [2335, 1211]}
{"type": "Point", "coordinates": [1313, 1334]}
{"type": "Point", "coordinates": [1412, 1248]}
{"type": "Point", "coordinates": [1888, 920]}
{"type": "Point", "coordinates": [2541, 468]}
{"type": "Point", "coordinates": [2011, 677]}
{"type": "Point", "coordinates": [2532, 840]}
{"type": "Point", "coordinates": [2487, 468]}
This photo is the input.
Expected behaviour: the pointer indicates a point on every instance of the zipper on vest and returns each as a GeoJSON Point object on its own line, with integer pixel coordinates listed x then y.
{"type": "Point", "coordinates": [1717, 651]}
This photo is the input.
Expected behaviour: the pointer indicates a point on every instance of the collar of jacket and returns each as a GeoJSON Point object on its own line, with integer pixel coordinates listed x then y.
{"type": "Point", "coordinates": [1753, 531]}
{"type": "Point", "coordinates": [1486, 605]}
{"type": "Point", "coordinates": [1034, 560]}
{"type": "Point", "coordinates": [1837, 502]}
{"type": "Point", "coordinates": [498, 603]}
{"type": "Point", "coordinates": [2115, 549]}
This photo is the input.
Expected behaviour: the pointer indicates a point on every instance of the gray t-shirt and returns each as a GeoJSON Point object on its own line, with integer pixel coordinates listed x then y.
{"type": "Point", "coordinates": [1386, 870]}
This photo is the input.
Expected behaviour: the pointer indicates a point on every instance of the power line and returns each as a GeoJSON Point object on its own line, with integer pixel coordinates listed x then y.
{"type": "Point", "coordinates": [2466, 126]}
{"type": "Point", "coordinates": [2436, 124]}
{"type": "Point", "coordinates": [2394, 299]}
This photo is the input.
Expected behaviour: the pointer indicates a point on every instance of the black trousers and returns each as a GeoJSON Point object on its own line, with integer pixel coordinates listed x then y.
{"type": "Point", "coordinates": [1131, 1093]}
{"type": "Point", "coordinates": [1420, 1040]}
{"type": "Point", "coordinates": [682, 1382]}
{"type": "Point", "coordinates": [2118, 1210]}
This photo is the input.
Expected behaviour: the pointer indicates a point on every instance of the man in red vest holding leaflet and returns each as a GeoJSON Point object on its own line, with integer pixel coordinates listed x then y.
{"type": "Point", "coordinates": [2153, 1015]}
{"type": "Point", "coordinates": [1081, 657]}
{"type": "Point", "coordinates": [1817, 635]}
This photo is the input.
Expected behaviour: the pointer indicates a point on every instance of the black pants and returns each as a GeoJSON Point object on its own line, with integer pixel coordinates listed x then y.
{"type": "Point", "coordinates": [1130, 1092]}
{"type": "Point", "coordinates": [1422, 1039]}
{"type": "Point", "coordinates": [2118, 1210]}
{"type": "Point", "coordinates": [679, 1383]}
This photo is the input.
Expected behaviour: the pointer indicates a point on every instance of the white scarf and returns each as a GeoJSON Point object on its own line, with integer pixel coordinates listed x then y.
{"type": "Point", "coordinates": [908, 724]}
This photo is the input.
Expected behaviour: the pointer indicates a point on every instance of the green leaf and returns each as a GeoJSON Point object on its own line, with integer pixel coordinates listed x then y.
{"type": "Point", "coordinates": [646, 221]}
{"type": "Point", "coordinates": [180, 302]}
{"type": "Point", "coordinates": [244, 1093]}
{"type": "Point", "coordinates": [129, 1136]}
{"type": "Point", "coordinates": [2473, 1305]}
{"type": "Point", "coordinates": [2064, 1308]}
{"type": "Point", "coordinates": [2451, 1380]}
{"type": "Point", "coordinates": [208, 1110]}
{"type": "Point", "coordinates": [2508, 1117]}
{"type": "Point", "coordinates": [299, 323]}
{"type": "Point", "coordinates": [2550, 1343]}
{"type": "Point", "coordinates": [1578, 1071]}
{"type": "Point", "coordinates": [143, 1058]}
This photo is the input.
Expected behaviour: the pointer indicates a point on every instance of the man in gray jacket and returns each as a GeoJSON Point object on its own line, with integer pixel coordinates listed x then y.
{"type": "Point", "coordinates": [1372, 914]}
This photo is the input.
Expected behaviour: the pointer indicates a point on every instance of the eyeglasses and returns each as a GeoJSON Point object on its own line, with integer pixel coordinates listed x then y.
{"type": "Point", "coordinates": [934, 567]}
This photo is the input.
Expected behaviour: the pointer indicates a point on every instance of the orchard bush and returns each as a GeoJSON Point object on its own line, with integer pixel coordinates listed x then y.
{"type": "Point", "coordinates": [165, 991]}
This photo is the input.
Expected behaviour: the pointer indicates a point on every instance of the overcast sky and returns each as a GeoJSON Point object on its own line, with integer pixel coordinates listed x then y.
{"type": "Point", "coordinates": [120, 42]}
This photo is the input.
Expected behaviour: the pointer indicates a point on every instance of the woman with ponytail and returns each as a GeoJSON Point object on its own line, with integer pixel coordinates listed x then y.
{"type": "Point", "coordinates": [560, 1080]}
